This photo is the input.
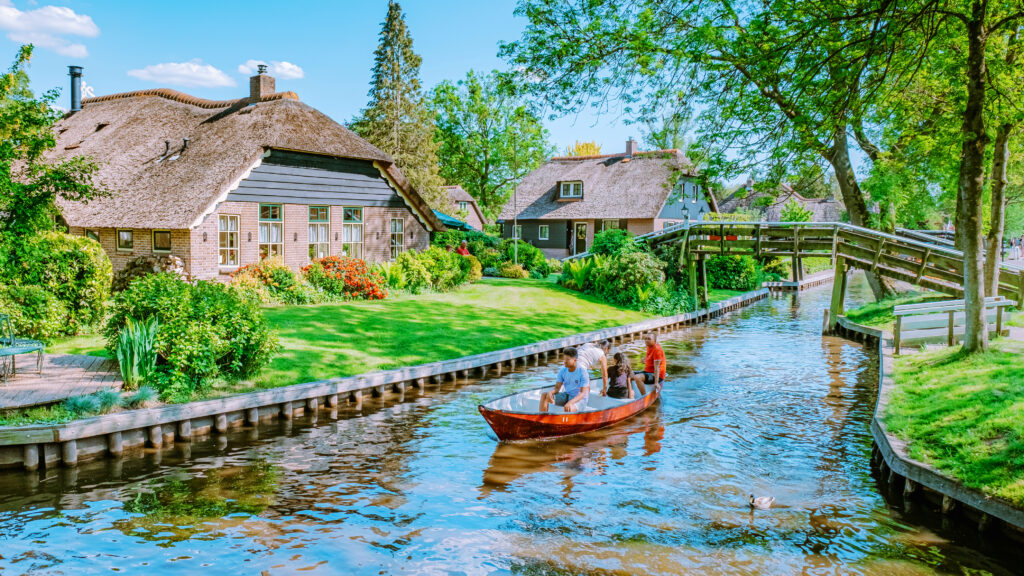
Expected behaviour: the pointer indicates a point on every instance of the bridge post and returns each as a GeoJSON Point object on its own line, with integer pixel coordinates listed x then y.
{"type": "Point", "coordinates": [691, 272]}
{"type": "Point", "coordinates": [838, 293]}
{"type": "Point", "coordinates": [704, 281]}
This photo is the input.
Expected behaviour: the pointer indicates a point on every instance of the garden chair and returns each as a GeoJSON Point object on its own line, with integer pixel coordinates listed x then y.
{"type": "Point", "coordinates": [11, 347]}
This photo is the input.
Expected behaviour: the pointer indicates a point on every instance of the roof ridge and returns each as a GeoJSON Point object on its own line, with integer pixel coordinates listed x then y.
{"type": "Point", "coordinates": [618, 155]}
{"type": "Point", "coordinates": [176, 96]}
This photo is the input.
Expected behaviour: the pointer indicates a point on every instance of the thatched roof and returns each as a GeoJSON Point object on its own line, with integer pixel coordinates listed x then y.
{"type": "Point", "coordinates": [153, 188]}
{"type": "Point", "coordinates": [456, 194]}
{"type": "Point", "coordinates": [614, 186]}
{"type": "Point", "coordinates": [770, 206]}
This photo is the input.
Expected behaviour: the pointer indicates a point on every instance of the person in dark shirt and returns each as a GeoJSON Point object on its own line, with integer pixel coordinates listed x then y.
{"type": "Point", "coordinates": [620, 378]}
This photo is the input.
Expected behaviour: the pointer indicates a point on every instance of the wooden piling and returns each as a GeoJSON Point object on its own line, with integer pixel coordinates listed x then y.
{"type": "Point", "coordinates": [30, 457]}
{"type": "Point", "coordinates": [115, 444]}
{"type": "Point", "coordinates": [252, 416]}
{"type": "Point", "coordinates": [156, 436]}
{"type": "Point", "coordinates": [220, 423]}
{"type": "Point", "coordinates": [287, 412]}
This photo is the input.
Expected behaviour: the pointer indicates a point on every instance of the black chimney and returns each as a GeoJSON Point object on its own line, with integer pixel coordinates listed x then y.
{"type": "Point", "coordinates": [76, 87]}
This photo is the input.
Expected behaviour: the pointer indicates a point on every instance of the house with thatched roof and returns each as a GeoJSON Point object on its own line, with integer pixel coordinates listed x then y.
{"type": "Point", "coordinates": [460, 202]}
{"type": "Point", "coordinates": [769, 205]}
{"type": "Point", "coordinates": [560, 206]}
{"type": "Point", "coordinates": [222, 184]}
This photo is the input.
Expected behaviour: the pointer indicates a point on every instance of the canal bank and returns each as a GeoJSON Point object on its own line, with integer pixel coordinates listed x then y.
{"type": "Point", "coordinates": [916, 481]}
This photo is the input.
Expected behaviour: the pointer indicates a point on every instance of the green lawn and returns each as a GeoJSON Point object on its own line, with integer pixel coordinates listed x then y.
{"type": "Point", "coordinates": [84, 344]}
{"type": "Point", "coordinates": [327, 340]}
{"type": "Point", "coordinates": [965, 416]}
{"type": "Point", "coordinates": [879, 314]}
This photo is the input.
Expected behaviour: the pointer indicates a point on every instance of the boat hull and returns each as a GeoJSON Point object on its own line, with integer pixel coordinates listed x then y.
{"type": "Point", "coordinates": [509, 426]}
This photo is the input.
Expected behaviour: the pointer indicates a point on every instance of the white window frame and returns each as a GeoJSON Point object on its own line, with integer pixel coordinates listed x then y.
{"type": "Point", "coordinates": [397, 247]}
{"type": "Point", "coordinates": [350, 247]}
{"type": "Point", "coordinates": [464, 206]}
{"type": "Point", "coordinates": [131, 238]}
{"type": "Point", "coordinates": [226, 235]}
{"type": "Point", "coordinates": [571, 189]}
{"type": "Point", "coordinates": [321, 231]}
{"type": "Point", "coordinates": [269, 224]}
{"type": "Point", "coordinates": [607, 224]}
{"type": "Point", "coordinates": [170, 242]}
{"type": "Point", "coordinates": [543, 232]}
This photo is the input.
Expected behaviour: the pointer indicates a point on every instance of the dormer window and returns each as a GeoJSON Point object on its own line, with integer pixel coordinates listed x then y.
{"type": "Point", "coordinates": [571, 190]}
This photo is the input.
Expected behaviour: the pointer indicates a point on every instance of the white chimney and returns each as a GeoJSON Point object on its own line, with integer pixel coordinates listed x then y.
{"type": "Point", "coordinates": [631, 147]}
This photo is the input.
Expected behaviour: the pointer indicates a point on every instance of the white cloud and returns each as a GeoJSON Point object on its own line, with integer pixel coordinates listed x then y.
{"type": "Point", "coordinates": [192, 73]}
{"type": "Point", "coordinates": [46, 27]}
{"type": "Point", "coordinates": [280, 69]}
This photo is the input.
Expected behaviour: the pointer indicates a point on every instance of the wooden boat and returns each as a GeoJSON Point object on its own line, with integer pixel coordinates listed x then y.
{"type": "Point", "coordinates": [517, 416]}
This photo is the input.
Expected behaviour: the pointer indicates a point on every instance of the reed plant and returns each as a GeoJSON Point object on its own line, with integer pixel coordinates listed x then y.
{"type": "Point", "coordinates": [136, 350]}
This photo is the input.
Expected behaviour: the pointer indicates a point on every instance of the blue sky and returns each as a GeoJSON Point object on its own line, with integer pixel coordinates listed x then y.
{"type": "Point", "coordinates": [198, 47]}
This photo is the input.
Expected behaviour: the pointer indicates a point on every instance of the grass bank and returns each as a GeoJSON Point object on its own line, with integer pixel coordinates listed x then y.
{"type": "Point", "coordinates": [879, 314]}
{"type": "Point", "coordinates": [965, 416]}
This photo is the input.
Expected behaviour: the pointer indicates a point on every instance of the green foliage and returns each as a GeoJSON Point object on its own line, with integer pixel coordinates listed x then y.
{"type": "Point", "coordinates": [628, 278]}
{"type": "Point", "coordinates": [732, 272]}
{"type": "Point", "coordinates": [492, 271]}
{"type": "Point", "coordinates": [55, 414]}
{"type": "Point", "coordinates": [140, 398]}
{"type": "Point", "coordinates": [476, 241]}
{"type": "Point", "coordinates": [880, 312]}
{"type": "Point", "coordinates": [530, 257]}
{"type": "Point", "coordinates": [489, 138]}
{"type": "Point", "coordinates": [475, 269]}
{"type": "Point", "coordinates": [774, 269]}
{"type": "Point", "coordinates": [82, 406]}
{"type": "Point", "coordinates": [794, 211]}
{"type": "Point", "coordinates": [613, 242]}
{"type": "Point", "coordinates": [274, 281]}
{"type": "Point", "coordinates": [344, 277]}
{"type": "Point", "coordinates": [391, 273]}
{"type": "Point", "coordinates": [490, 257]}
{"type": "Point", "coordinates": [434, 269]}
{"type": "Point", "coordinates": [414, 272]}
{"type": "Point", "coordinates": [136, 352]}
{"type": "Point", "coordinates": [580, 273]}
{"type": "Point", "coordinates": [35, 313]}
{"type": "Point", "coordinates": [208, 331]}
{"type": "Point", "coordinates": [512, 270]}
{"type": "Point", "coordinates": [107, 399]}
{"type": "Point", "coordinates": [554, 265]}
{"type": "Point", "coordinates": [397, 119]}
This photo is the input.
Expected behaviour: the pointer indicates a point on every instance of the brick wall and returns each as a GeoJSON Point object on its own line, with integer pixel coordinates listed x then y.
{"type": "Point", "coordinates": [142, 244]}
{"type": "Point", "coordinates": [639, 226]}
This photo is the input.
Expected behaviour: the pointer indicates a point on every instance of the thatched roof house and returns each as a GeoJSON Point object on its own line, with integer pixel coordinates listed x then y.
{"type": "Point", "coordinates": [205, 175]}
{"type": "Point", "coordinates": [770, 206]}
{"type": "Point", "coordinates": [562, 204]}
{"type": "Point", "coordinates": [459, 200]}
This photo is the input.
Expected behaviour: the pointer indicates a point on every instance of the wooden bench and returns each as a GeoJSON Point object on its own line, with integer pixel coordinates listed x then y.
{"type": "Point", "coordinates": [942, 321]}
{"type": "Point", "coordinates": [11, 347]}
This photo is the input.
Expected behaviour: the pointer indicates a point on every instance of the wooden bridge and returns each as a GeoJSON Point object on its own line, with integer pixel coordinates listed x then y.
{"type": "Point", "coordinates": [932, 265]}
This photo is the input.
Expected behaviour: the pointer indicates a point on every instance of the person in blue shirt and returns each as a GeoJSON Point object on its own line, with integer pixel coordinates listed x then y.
{"type": "Point", "coordinates": [572, 386]}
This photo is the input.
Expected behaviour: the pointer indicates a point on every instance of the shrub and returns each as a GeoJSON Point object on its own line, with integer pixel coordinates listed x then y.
{"type": "Point", "coordinates": [136, 355]}
{"type": "Point", "coordinates": [146, 265]}
{"type": "Point", "coordinates": [475, 269]}
{"type": "Point", "coordinates": [447, 269]}
{"type": "Point", "coordinates": [492, 272]}
{"type": "Point", "coordinates": [512, 270]}
{"type": "Point", "coordinates": [141, 398]}
{"type": "Point", "coordinates": [554, 266]}
{"type": "Point", "coordinates": [732, 272]}
{"type": "Point", "coordinates": [107, 400]}
{"type": "Point", "coordinates": [666, 300]}
{"type": "Point", "coordinates": [80, 406]}
{"type": "Point", "coordinates": [273, 281]}
{"type": "Point", "coordinates": [207, 330]}
{"type": "Point", "coordinates": [580, 273]}
{"type": "Point", "coordinates": [74, 269]}
{"type": "Point", "coordinates": [35, 312]}
{"type": "Point", "coordinates": [794, 211]}
{"type": "Point", "coordinates": [627, 278]}
{"type": "Point", "coordinates": [530, 257]}
{"type": "Point", "coordinates": [613, 242]}
{"type": "Point", "coordinates": [391, 273]}
{"type": "Point", "coordinates": [490, 258]}
{"type": "Point", "coordinates": [773, 268]}
{"type": "Point", "coordinates": [344, 276]}
{"type": "Point", "coordinates": [417, 277]}
{"type": "Point", "coordinates": [475, 241]}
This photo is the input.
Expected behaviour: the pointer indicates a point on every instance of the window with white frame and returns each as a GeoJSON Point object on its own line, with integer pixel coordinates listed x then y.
{"type": "Point", "coordinates": [542, 232]}
{"type": "Point", "coordinates": [319, 231]}
{"type": "Point", "coordinates": [609, 225]}
{"type": "Point", "coordinates": [397, 237]}
{"type": "Point", "coordinates": [228, 231]}
{"type": "Point", "coordinates": [271, 231]}
{"type": "Point", "coordinates": [352, 232]}
{"type": "Point", "coordinates": [668, 223]}
{"type": "Point", "coordinates": [571, 190]}
{"type": "Point", "coordinates": [464, 206]}
{"type": "Point", "coordinates": [161, 240]}
{"type": "Point", "coordinates": [125, 240]}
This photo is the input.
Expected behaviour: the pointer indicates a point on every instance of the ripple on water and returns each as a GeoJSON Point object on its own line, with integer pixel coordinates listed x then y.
{"type": "Point", "coordinates": [758, 402]}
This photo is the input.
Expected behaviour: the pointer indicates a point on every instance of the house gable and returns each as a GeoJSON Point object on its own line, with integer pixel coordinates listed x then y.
{"type": "Point", "coordinates": [685, 203]}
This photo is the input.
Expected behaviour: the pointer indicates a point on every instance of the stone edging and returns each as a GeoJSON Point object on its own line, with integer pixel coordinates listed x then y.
{"type": "Point", "coordinates": [113, 434]}
{"type": "Point", "coordinates": [890, 454]}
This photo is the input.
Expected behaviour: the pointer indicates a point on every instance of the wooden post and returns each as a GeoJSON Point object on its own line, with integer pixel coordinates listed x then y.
{"type": "Point", "coordinates": [924, 264]}
{"type": "Point", "coordinates": [691, 272]}
{"type": "Point", "coordinates": [220, 423]}
{"type": "Point", "coordinates": [156, 436]}
{"type": "Point", "coordinates": [838, 293]}
{"type": "Point", "coordinates": [948, 504]}
{"type": "Point", "coordinates": [358, 397]}
{"type": "Point", "coordinates": [30, 457]}
{"type": "Point", "coordinates": [332, 401]}
{"type": "Point", "coordinates": [896, 335]}
{"type": "Point", "coordinates": [252, 416]}
{"type": "Point", "coordinates": [313, 404]}
{"type": "Point", "coordinates": [757, 240]}
{"type": "Point", "coordinates": [949, 333]}
{"type": "Point", "coordinates": [1020, 289]}
{"type": "Point", "coordinates": [287, 412]}
{"type": "Point", "coordinates": [999, 320]}
{"type": "Point", "coordinates": [704, 280]}
{"type": "Point", "coordinates": [69, 453]}
{"type": "Point", "coordinates": [878, 254]}
{"type": "Point", "coordinates": [185, 430]}
{"type": "Point", "coordinates": [115, 445]}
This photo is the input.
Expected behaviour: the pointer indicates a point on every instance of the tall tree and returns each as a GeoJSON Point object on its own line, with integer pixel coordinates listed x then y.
{"type": "Point", "coordinates": [397, 119]}
{"type": "Point", "coordinates": [30, 184]}
{"type": "Point", "coordinates": [779, 82]}
{"type": "Point", "coordinates": [489, 139]}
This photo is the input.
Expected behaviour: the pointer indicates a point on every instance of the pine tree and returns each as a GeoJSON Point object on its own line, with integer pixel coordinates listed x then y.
{"type": "Point", "coordinates": [397, 119]}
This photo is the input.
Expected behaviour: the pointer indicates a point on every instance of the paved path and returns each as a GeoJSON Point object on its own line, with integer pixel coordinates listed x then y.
{"type": "Point", "coordinates": [64, 375]}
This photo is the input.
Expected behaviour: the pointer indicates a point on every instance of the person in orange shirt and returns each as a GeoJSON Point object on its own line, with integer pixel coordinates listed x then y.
{"type": "Point", "coordinates": [654, 353]}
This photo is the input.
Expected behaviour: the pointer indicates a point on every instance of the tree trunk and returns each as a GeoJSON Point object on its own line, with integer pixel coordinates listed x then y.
{"type": "Point", "coordinates": [839, 157]}
{"type": "Point", "coordinates": [972, 180]}
{"type": "Point", "coordinates": [997, 219]}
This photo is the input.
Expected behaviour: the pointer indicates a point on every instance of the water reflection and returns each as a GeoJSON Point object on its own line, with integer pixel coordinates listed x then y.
{"type": "Point", "coordinates": [757, 402]}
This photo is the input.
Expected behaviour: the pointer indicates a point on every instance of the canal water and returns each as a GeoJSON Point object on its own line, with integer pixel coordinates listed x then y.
{"type": "Point", "coordinates": [758, 402]}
